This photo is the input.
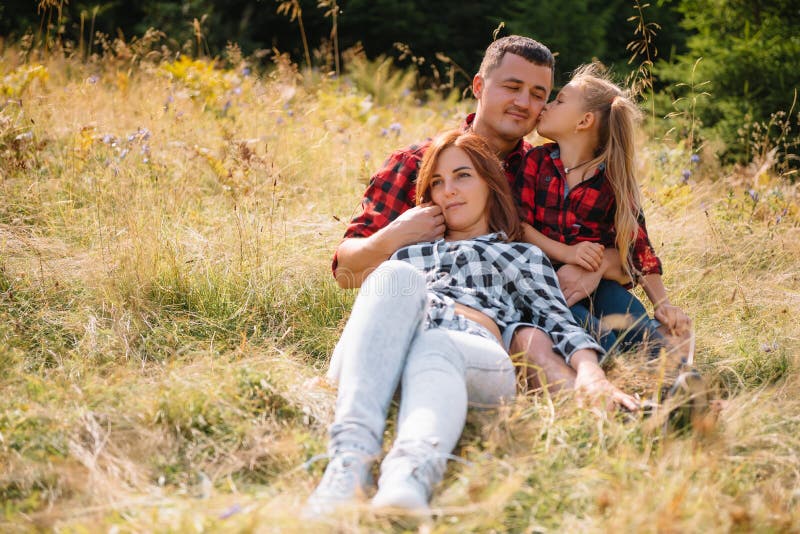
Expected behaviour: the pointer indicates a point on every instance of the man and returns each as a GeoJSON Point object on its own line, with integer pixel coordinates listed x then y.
{"type": "Point", "coordinates": [512, 86]}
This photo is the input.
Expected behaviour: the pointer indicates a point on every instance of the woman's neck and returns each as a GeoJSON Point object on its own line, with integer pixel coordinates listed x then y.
{"type": "Point", "coordinates": [461, 235]}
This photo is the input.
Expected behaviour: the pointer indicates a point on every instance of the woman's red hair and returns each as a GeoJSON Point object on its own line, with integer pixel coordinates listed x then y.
{"type": "Point", "coordinates": [502, 214]}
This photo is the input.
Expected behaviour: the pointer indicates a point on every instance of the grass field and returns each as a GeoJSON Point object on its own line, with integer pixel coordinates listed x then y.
{"type": "Point", "coordinates": [166, 304]}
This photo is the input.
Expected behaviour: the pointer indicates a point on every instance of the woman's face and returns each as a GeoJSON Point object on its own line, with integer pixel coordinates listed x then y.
{"type": "Point", "coordinates": [562, 115]}
{"type": "Point", "coordinates": [461, 193]}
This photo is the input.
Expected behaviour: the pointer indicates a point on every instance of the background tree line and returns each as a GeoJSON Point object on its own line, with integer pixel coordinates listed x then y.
{"type": "Point", "coordinates": [750, 49]}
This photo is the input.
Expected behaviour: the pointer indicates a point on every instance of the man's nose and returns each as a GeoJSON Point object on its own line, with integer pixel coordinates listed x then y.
{"type": "Point", "coordinates": [522, 99]}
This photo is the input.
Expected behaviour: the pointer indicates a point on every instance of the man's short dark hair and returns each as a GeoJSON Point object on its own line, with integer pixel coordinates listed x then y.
{"type": "Point", "coordinates": [525, 47]}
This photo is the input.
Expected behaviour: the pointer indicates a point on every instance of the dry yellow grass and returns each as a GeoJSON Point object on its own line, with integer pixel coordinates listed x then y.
{"type": "Point", "coordinates": [166, 303]}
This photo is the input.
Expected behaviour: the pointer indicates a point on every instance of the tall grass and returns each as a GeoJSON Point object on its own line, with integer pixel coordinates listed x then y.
{"type": "Point", "coordinates": [166, 305]}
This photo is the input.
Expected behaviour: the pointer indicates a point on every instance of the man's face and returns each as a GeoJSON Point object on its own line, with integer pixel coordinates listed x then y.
{"type": "Point", "coordinates": [510, 98]}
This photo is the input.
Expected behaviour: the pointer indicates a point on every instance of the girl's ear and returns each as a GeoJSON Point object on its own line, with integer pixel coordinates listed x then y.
{"type": "Point", "coordinates": [586, 122]}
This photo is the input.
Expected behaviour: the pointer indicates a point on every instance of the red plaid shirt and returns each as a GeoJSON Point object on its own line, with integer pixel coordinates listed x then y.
{"type": "Point", "coordinates": [586, 213]}
{"type": "Point", "coordinates": [392, 190]}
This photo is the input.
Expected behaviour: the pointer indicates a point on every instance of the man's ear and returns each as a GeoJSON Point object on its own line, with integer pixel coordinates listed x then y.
{"type": "Point", "coordinates": [477, 85]}
{"type": "Point", "coordinates": [587, 121]}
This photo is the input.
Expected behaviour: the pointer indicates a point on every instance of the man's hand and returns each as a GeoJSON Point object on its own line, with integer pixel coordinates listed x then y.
{"type": "Point", "coordinates": [420, 223]}
{"type": "Point", "coordinates": [586, 254]}
{"type": "Point", "coordinates": [359, 256]}
{"type": "Point", "coordinates": [577, 283]}
{"type": "Point", "coordinates": [674, 318]}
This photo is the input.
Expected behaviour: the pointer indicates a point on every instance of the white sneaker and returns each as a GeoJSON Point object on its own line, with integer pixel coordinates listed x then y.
{"type": "Point", "coordinates": [408, 475]}
{"type": "Point", "coordinates": [344, 482]}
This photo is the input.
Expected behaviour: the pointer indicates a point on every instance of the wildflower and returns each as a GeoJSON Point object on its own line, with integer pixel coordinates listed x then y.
{"type": "Point", "coordinates": [123, 153]}
{"type": "Point", "coordinates": [27, 136]}
{"type": "Point", "coordinates": [94, 78]}
{"type": "Point", "coordinates": [290, 113]}
{"type": "Point", "coordinates": [396, 128]}
{"type": "Point", "coordinates": [279, 120]}
{"type": "Point", "coordinates": [384, 132]}
{"type": "Point", "coordinates": [695, 158]}
{"type": "Point", "coordinates": [686, 174]}
{"type": "Point", "coordinates": [367, 155]}
{"type": "Point", "coordinates": [226, 107]}
{"type": "Point", "coordinates": [237, 90]}
{"type": "Point", "coordinates": [235, 509]}
{"type": "Point", "coordinates": [405, 92]}
{"type": "Point", "coordinates": [246, 71]}
{"type": "Point", "coordinates": [107, 139]}
{"type": "Point", "coordinates": [753, 194]}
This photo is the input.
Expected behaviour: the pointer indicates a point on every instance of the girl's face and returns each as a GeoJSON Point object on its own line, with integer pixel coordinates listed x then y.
{"type": "Point", "coordinates": [561, 116]}
{"type": "Point", "coordinates": [461, 193]}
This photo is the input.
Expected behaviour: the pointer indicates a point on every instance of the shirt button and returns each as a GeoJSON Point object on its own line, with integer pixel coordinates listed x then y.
{"type": "Point", "coordinates": [548, 178]}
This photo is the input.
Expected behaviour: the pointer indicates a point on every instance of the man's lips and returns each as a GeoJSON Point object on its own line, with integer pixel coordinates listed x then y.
{"type": "Point", "coordinates": [521, 115]}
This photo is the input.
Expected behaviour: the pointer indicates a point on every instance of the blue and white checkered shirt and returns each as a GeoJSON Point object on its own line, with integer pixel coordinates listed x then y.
{"type": "Point", "coordinates": [508, 282]}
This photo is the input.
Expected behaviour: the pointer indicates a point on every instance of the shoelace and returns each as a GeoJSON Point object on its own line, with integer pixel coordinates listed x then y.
{"type": "Point", "coordinates": [423, 454]}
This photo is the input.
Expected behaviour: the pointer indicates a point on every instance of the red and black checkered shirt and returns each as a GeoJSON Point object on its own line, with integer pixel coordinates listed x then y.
{"type": "Point", "coordinates": [392, 190]}
{"type": "Point", "coordinates": [585, 213]}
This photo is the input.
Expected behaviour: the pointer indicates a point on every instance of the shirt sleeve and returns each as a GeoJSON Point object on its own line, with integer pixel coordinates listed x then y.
{"type": "Point", "coordinates": [644, 257]}
{"type": "Point", "coordinates": [542, 303]}
{"type": "Point", "coordinates": [390, 192]}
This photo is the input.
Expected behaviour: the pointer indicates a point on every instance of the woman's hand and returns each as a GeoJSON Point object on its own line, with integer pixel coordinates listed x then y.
{"type": "Point", "coordinates": [586, 254]}
{"type": "Point", "coordinates": [674, 318]}
{"type": "Point", "coordinates": [592, 384]}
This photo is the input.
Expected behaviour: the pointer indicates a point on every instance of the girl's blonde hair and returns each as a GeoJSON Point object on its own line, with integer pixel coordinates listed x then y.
{"type": "Point", "coordinates": [616, 116]}
{"type": "Point", "coordinates": [502, 214]}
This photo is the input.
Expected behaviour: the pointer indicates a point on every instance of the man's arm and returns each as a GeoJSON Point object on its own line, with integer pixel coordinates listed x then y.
{"type": "Point", "coordinates": [577, 283]}
{"type": "Point", "coordinates": [359, 256]}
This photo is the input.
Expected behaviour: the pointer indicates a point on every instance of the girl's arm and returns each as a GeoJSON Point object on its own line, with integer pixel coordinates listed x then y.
{"type": "Point", "coordinates": [667, 314]}
{"type": "Point", "coordinates": [584, 254]}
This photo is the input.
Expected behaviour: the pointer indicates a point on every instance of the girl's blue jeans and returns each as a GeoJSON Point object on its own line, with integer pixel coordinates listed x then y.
{"type": "Point", "coordinates": [611, 298]}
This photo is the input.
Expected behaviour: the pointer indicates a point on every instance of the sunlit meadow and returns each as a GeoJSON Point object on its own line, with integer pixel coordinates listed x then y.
{"type": "Point", "coordinates": [166, 304]}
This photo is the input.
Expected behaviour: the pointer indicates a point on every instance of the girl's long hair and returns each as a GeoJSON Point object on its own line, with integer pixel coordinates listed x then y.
{"type": "Point", "coordinates": [616, 116]}
{"type": "Point", "coordinates": [502, 214]}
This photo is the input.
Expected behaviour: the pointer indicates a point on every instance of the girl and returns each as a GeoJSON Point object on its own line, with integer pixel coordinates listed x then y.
{"type": "Point", "coordinates": [581, 196]}
{"type": "Point", "coordinates": [424, 320]}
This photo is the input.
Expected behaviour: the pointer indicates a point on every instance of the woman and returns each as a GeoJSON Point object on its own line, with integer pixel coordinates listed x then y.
{"type": "Point", "coordinates": [424, 319]}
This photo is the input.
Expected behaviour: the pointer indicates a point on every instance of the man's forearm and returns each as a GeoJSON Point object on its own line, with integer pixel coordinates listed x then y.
{"type": "Point", "coordinates": [359, 256]}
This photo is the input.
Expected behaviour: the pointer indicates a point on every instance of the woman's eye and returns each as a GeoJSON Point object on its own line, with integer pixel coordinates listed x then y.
{"type": "Point", "coordinates": [434, 183]}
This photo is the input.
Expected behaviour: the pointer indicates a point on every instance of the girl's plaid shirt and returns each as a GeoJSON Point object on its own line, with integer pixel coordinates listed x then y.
{"type": "Point", "coordinates": [508, 282]}
{"type": "Point", "coordinates": [586, 213]}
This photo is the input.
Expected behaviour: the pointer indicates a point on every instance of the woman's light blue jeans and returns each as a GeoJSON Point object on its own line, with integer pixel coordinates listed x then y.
{"type": "Point", "coordinates": [440, 371]}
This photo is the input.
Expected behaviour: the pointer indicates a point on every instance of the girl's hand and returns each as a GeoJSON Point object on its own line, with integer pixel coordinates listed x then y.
{"type": "Point", "coordinates": [586, 254]}
{"type": "Point", "coordinates": [673, 318]}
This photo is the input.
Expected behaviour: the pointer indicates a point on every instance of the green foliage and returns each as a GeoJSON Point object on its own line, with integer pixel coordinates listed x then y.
{"type": "Point", "coordinates": [575, 33]}
{"type": "Point", "coordinates": [751, 56]}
